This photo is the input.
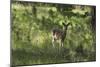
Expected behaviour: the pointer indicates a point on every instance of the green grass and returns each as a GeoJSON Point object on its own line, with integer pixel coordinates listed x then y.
{"type": "Point", "coordinates": [32, 54]}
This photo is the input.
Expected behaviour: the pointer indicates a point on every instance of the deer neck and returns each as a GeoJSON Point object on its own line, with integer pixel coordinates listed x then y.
{"type": "Point", "coordinates": [65, 30]}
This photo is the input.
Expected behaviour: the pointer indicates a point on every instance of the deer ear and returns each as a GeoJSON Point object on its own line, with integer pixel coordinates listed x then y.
{"type": "Point", "coordinates": [68, 24]}
{"type": "Point", "coordinates": [64, 24]}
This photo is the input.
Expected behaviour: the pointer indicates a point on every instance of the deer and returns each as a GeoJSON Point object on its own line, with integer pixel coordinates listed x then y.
{"type": "Point", "coordinates": [60, 34]}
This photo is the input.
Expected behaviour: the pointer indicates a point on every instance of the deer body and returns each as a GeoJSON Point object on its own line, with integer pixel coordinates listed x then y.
{"type": "Point", "coordinates": [58, 34]}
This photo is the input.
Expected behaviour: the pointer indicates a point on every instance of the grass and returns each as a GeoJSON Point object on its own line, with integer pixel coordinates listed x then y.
{"type": "Point", "coordinates": [29, 54]}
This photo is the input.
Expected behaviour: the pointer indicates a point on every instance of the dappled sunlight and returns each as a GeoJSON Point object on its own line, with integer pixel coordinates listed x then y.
{"type": "Point", "coordinates": [38, 39]}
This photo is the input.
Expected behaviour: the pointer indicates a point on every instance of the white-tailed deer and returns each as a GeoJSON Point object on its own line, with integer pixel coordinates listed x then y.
{"type": "Point", "coordinates": [59, 34]}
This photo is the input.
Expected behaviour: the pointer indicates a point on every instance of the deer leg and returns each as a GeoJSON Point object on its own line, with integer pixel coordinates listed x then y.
{"type": "Point", "coordinates": [53, 42]}
{"type": "Point", "coordinates": [62, 43]}
{"type": "Point", "coordinates": [59, 43]}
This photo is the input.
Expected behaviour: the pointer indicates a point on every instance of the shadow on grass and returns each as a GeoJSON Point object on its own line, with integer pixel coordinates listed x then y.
{"type": "Point", "coordinates": [37, 55]}
{"type": "Point", "coordinates": [32, 55]}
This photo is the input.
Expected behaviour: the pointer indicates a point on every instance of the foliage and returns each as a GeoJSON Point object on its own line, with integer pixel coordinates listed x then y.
{"type": "Point", "coordinates": [32, 24]}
